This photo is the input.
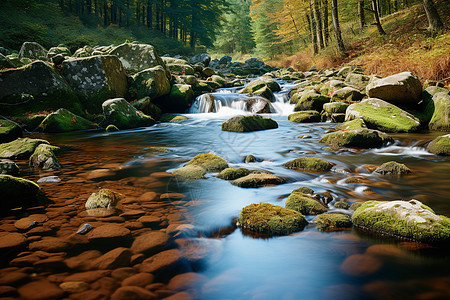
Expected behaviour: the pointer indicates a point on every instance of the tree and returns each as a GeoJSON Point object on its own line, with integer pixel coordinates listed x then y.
{"type": "Point", "coordinates": [267, 41]}
{"type": "Point", "coordinates": [361, 15]}
{"type": "Point", "coordinates": [337, 28]}
{"type": "Point", "coordinates": [434, 20]}
{"type": "Point", "coordinates": [377, 17]}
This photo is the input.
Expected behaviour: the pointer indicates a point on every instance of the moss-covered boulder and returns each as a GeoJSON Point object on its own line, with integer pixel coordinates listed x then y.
{"type": "Point", "coordinates": [122, 114]}
{"type": "Point", "coordinates": [9, 131]}
{"type": "Point", "coordinates": [151, 82]}
{"type": "Point", "coordinates": [331, 86]}
{"type": "Point", "coordinates": [17, 192]}
{"type": "Point", "coordinates": [335, 107]}
{"type": "Point", "coordinates": [34, 88]}
{"type": "Point", "coordinates": [342, 205]}
{"type": "Point", "coordinates": [352, 125]}
{"type": "Point", "coordinates": [248, 123]}
{"type": "Point", "coordinates": [45, 158]}
{"type": "Point", "coordinates": [233, 173]}
{"type": "Point", "coordinates": [332, 222]}
{"type": "Point", "coordinates": [348, 94]}
{"type": "Point", "coordinates": [307, 116]}
{"type": "Point", "coordinates": [311, 100]}
{"type": "Point", "coordinates": [102, 199]}
{"type": "Point", "coordinates": [260, 83]}
{"type": "Point", "coordinates": [440, 119]}
{"type": "Point", "coordinates": [63, 121]}
{"type": "Point", "coordinates": [147, 107]}
{"type": "Point", "coordinates": [172, 60]}
{"type": "Point", "coordinates": [399, 89]}
{"type": "Point", "coordinates": [309, 164]}
{"type": "Point", "coordinates": [180, 69]}
{"type": "Point", "coordinates": [304, 190]}
{"type": "Point", "coordinates": [258, 180]}
{"type": "Point", "coordinates": [218, 79]}
{"type": "Point", "coordinates": [271, 219]}
{"type": "Point", "coordinates": [173, 118]}
{"type": "Point", "coordinates": [440, 145]}
{"type": "Point", "coordinates": [32, 50]}
{"type": "Point", "coordinates": [179, 99]}
{"type": "Point", "coordinates": [191, 172]}
{"type": "Point", "coordinates": [357, 80]}
{"type": "Point", "coordinates": [392, 168]}
{"type": "Point", "coordinates": [21, 148]}
{"type": "Point", "coordinates": [304, 204]}
{"type": "Point", "coordinates": [361, 138]}
{"type": "Point", "coordinates": [8, 167]}
{"type": "Point", "coordinates": [95, 79]}
{"type": "Point", "coordinates": [404, 219]}
{"type": "Point", "coordinates": [210, 162]}
{"type": "Point", "coordinates": [381, 115]}
{"type": "Point", "coordinates": [61, 49]}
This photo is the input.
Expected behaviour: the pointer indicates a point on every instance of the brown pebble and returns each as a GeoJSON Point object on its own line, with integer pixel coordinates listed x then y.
{"type": "Point", "coordinates": [180, 296]}
{"type": "Point", "coordinates": [122, 273]}
{"type": "Point", "coordinates": [13, 278]}
{"type": "Point", "coordinates": [11, 240]}
{"type": "Point", "coordinates": [89, 276]}
{"type": "Point", "coordinates": [50, 244]}
{"type": "Point", "coordinates": [185, 281]}
{"type": "Point", "coordinates": [116, 258]}
{"type": "Point", "coordinates": [132, 292]}
{"type": "Point", "coordinates": [83, 262]}
{"type": "Point", "coordinates": [140, 279]}
{"type": "Point", "coordinates": [40, 290]}
{"type": "Point", "coordinates": [150, 242]}
{"type": "Point", "coordinates": [74, 286]}
{"type": "Point", "coordinates": [172, 196]}
{"type": "Point", "coordinates": [26, 223]}
{"type": "Point", "coordinates": [160, 261]}
{"type": "Point", "coordinates": [361, 264]}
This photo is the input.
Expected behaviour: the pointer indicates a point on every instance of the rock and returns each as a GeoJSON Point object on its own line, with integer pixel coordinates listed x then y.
{"type": "Point", "coordinates": [180, 69]}
{"type": "Point", "coordinates": [352, 125]}
{"type": "Point", "coordinates": [440, 145]}
{"type": "Point", "coordinates": [5, 62]}
{"type": "Point", "coordinates": [152, 82]}
{"type": "Point", "coordinates": [248, 123]}
{"type": "Point", "coordinates": [303, 190]}
{"type": "Point", "coordinates": [190, 172]}
{"type": "Point", "coordinates": [63, 121]}
{"type": "Point", "coordinates": [335, 107]}
{"type": "Point", "coordinates": [40, 289]}
{"type": "Point", "coordinates": [160, 262]}
{"type": "Point", "coordinates": [392, 167]}
{"type": "Point", "coordinates": [406, 219]}
{"type": "Point", "coordinates": [179, 99]}
{"type": "Point", "coordinates": [224, 60]}
{"type": "Point", "coordinates": [331, 86]}
{"type": "Point", "coordinates": [309, 164]}
{"type": "Point", "coordinates": [103, 199]}
{"type": "Point", "coordinates": [147, 107]}
{"type": "Point", "coordinates": [116, 258]}
{"type": "Point", "coordinates": [17, 192]}
{"type": "Point", "coordinates": [173, 118]}
{"type": "Point", "coordinates": [359, 81]}
{"type": "Point", "coordinates": [32, 50]}
{"type": "Point", "coordinates": [210, 162]}
{"type": "Point", "coordinates": [133, 292]}
{"type": "Point", "coordinates": [30, 221]}
{"type": "Point", "coordinates": [233, 173]}
{"type": "Point", "coordinates": [150, 243]}
{"type": "Point", "coordinates": [218, 79]}
{"type": "Point", "coordinates": [123, 115]}
{"type": "Point", "coordinates": [172, 60]}
{"type": "Point", "coordinates": [21, 148]}
{"type": "Point", "coordinates": [381, 115]}
{"type": "Point", "coordinates": [39, 86]}
{"type": "Point", "coordinates": [260, 83]}
{"type": "Point", "coordinates": [202, 58]}
{"type": "Point", "coordinates": [271, 219]}
{"type": "Point", "coordinates": [361, 138]}
{"type": "Point", "coordinates": [332, 222]}
{"type": "Point", "coordinates": [257, 180]}
{"type": "Point", "coordinates": [9, 241]}
{"type": "Point", "coordinates": [361, 264]}
{"type": "Point", "coordinates": [95, 79]}
{"type": "Point", "coordinates": [109, 234]}
{"type": "Point", "coordinates": [307, 116]}
{"type": "Point", "coordinates": [85, 228]}
{"type": "Point", "coordinates": [9, 131]}
{"type": "Point", "coordinates": [84, 52]}
{"type": "Point", "coordinates": [399, 89]}
{"type": "Point", "coordinates": [61, 49]}
{"type": "Point", "coordinates": [123, 273]}
{"type": "Point", "coordinates": [137, 57]}
{"type": "Point", "coordinates": [74, 286]}
{"type": "Point", "coordinates": [50, 244]}
{"type": "Point", "coordinates": [440, 105]}
{"type": "Point", "coordinates": [140, 279]}
{"type": "Point", "coordinates": [185, 281]}
{"type": "Point", "coordinates": [249, 159]}
{"type": "Point", "coordinates": [304, 204]}
{"type": "Point", "coordinates": [348, 94]}
{"type": "Point", "coordinates": [343, 204]}
{"type": "Point", "coordinates": [311, 100]}
{"type": "Point", "coordinates": [8, 167]}
{"type": "Point", "coordinates": [44, 158]}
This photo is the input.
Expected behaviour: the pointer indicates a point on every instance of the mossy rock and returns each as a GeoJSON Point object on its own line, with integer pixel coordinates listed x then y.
{"type": "Point", "coordinates": [173, 118]}
{"type": "Point", "coordinates": [248, 124]}
{"type": "Point", "coordinates": [31, 123]}
{"type": "Point", "coordinates": [32, 50]}
{"type": "Point", "coordinates": [260, 83]}
{"type": "Point", "coordinates": [218, 79]}
{"type": "Point", "coordinates": [17, 192]}
{"type": "Point", "coordinates": [354, 179]}
{"type": "Point", "coordinates": [123, 115]}
{"type": "Point", "coordinates": [352, 125]}
{"type": "Point", "coordinates": [440, 119]}
{"type": "Point", "coordinates": [304, 190]}
{"type": "Point", "coordinates": [355, 205]}
{"type": "Point", "coordinates": [266, 93]}
{"type": "Point", "coordinates": [311, 101]}
{"type": "Point", "coordinates": [331, 86]}
{"type": "Point", "coordinates": [233, 173]}
{"type": "Point", "coordinates": [258, 180]}
{"type": "Point", "coordinates": [102, 199]}
{"type": "Point", "coordinates": [335, 107]}
{"type": "Point", "coordinates": [179, 99]}
{"type": "Point", "coordinates": [58, 50]}
{"type": "Point", "coordinates": [404, 219]}
{"type": "Point", "coordinates": [209, 161]}
{"type": "Point", "coordinates": [309, 164]}
{"type": "Point", "coordinates": [152, 82]}
{"type": "Point", "coordinates": [147, 107]}
{"type": "Point", "coordinates": [348, 94]}
{"type": "Point", "coordinates": [64, 121]}
{"type": "Point", "coordinates": [9, 131]}
{"type": "Point", "coordinates": [381, 115]}
{"type": "Point", "coordinates": [342, 205]}
{"type": "Point", "coordinates": [21, 148]}
{"type": "Point", "coordinates": [191, 172]}
{"type": "Point", "coordinates": [359, 81]}
{"type": "Point", "coordinates": [111, 128]}
{"type": "Point", "coordinates": [271, 219]}
{"type": "Point", "coordinates": [307, 116]}
{"type": "Point", "coordinates": [180, 69]}
{"type": "Point", "coordinates": [157, 149]}
{"type": "Point", "coordinates": [440, 145]}
{"type": "Point", "coordinates": [394, 168]}
{"type": "Point", "coordinates": [361, 138]}
{"type": "Point", "coordinates": [44, 158]}
{"type": "Point", "coordinates": [8, 167]}
{"type": "Point", "coordinates": [332, 222]}
{"type": "Point", "coordinates": [249, 159]}
{"type": "Point", "coordinates": [304, 204]}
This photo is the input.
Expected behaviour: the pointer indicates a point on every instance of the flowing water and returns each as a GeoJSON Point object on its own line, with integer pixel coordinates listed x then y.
{"type": "Point", "coordinates": [306, 265]}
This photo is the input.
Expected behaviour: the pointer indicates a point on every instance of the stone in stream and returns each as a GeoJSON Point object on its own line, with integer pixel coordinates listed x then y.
{"type": "Point", "coordinates": [260, 83]}
{"type": "Point", "coordinates": [85, 228]}
{"type": "Point", "coordinates": [162, 261]}
{"type": "Point", "coordinates": [63, 121]}
{"type": "Point", "coordinates": [140, 279]}
{"type": "Point", "coordinates": [392, 168]}
{"type": "Point", "coordinates": [335, 107]}
{"type": "Point", "coordinates": [11, 241]}
{"type": "Point", "coordinates": [304, 204]}
{"type": "Point", "coordinates": [359, 81]}
{"type": "Point", "coordinates": [361, 138]}
{"type": "Point", "coordinates": [440, 107]}
{"type": "Point", "coordinates": [210, 162]}
{"type": "Point", "coordinates": [343, 204]}
{"type": "Point", "coordinates": [40, 289]}
{"type": "Point", "coordinates": [311, 100]}
{"type": "Point", "coordinates": [173, 118]}
{"type": "Point", "coordinates": [331, 86]}
{"type": "Point", "coordinates": [133, 292]}
{"type": "Point", "coordinates": [309, 164]}
{"type": "Point", "coordinates": [218, 79]}
{"type": "Point", "coordinates": [102, 199]}
{"type": "Point", "coordinates": [332, 222]}
{"type": "Point", "coordinates": [21, 148]}
{"type": "Point", "coordinates": [17, 192]}
{"type": "Point", "coordinates": [249, 159]}
{"type": "Point", "coordinates": [233, 173]}
{"type": "Point", "coordinates": [271, 219]}
{"type": "Point", "coordinates": [152, 82]}
{"type": "Point", "coordinates": [8, 167]}
{"type": "Point", "coordinates": [352, 125]}
{"type": "Point", "coordinates": [307, 116]}
{"type": "Point", "coordinates": [44, 158]}
{"type": "Point", "coordinates": [9, 131]}
{"type": "Point", "coordinates": [257, 180]}
{"type": "Point", "coordinates": [147, 107]}
{"type": "Point", "coordinates": [110, 234]}
{"type": "Point", "coordinates": [123, 115]}
{"type": "Point", "coordinates": [348, 94]}
{"type": "Point", "coordinates": [116, 258]}
{"type": "Point", "coordinates": [32, 50]}
{"type": "Point", "coordinates": [150, 243]}
{"type": "Point", "coordinates": [404, 219]}
{"type": "Point", "coordinates": [248, 123]}
{"type": "Point", "coordinates": [381, 115]}
{"type": "Point", "coordinates": [179, 99]}
{"type": "Point", "coordinates": [440, 145]}
{"type": "Point", "coordinates": [190, 172]}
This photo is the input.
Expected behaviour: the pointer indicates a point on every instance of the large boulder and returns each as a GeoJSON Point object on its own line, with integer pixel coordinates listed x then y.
{"type": "Point", "coordinates": [147, 107]}
{"type": "Point", "coordinates": [307, 116]}
{"type": "Point", "coordinates": [32, 50]}
{"type": "Point", "coordinates": [60, 49]}
{"type": "Point", "coordinates": [44, 158]}
{"type": "Point", "coordinates": [331, 86]}
{"type": "Point", "coordinates": [179, 99]}
{"type": "Point", "coordinates": [440, 145]}
{"type": "Point", "coordinates": [381, 115]}
{"type": "Point", "coordinates": [248, 123]}
{"type": "Point", "coordinates": [20, 148]}
{"type": "Point", "coordinates": [210, 162]}
{"type": "Point", "coordinates": [40, 87]}
{"type": "Point", "coordinates": [348, 94]}
{"type": "Point", "coordinates": [16, 192]}
{"type": "Point", "coordinates": [271, 219]}
{"type": "Point", "coordinates": [9, 131]}
{"type": "Point", "coordinates": [361, 138]}
{"type": "Point", "coordinates": [311, 100]}
{"type": "Point", "coordinates": [392, 168]}
{"type": "Point", "coordinates": [123, 115]}
{"type": "Point", "coordinates": [399, 89]}
{"type": "Point", "coordinates": [357, 80]}
{"type": "Point", "coordinates": [440, 119]}
{"type": "Point", "coordinates": [264, 86]}
{"type": "Point", "coordinates": [405, 219]}
{"type": "Point", "coordinates": [95, 79]}
{"type": "Point", "coordinates": [151, 82]}
{"type": "Point", "coordinates": [190, 172]}
{"type": "Point", "coordinates": [180, 69]}
{"type": "Point", "coordinates": [335, 107]}
{"type": "Point", "coordinates": [352, 125]}
{"type": "Point", "coordinates": [309, 164]}
{"type": "Point", "coordinates": [304, 204]}
{"type": "Point", "coordinates": [63, 121]}
{"type": "Point", "coordinates": [202, 58]}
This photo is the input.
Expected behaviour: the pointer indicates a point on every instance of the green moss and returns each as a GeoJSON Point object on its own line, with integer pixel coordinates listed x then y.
{"type": "Point", "coordinates": [311, 101]}
{"type": "Point", "coordinates": [122, 114]}
{"type": "Point", "coordinates": [111, 128]}
{"type": "Point", "coordinates": [361, 138]}
{"type": "Point", "coordinates": [393, 167]}
{"type": "Point", "coordinates": [9, 131]}
{"type": "Point", "coordinates": [173, 118]}
{"type": "Point", "coordinates": [307, 116]}
{"type": "Point", "coordinates": [271, 219]}
{"type": "Point", "coordinates": [352, 125]}
{"type": "Point", "coordinates": [335, 107]}
{"type": "Point", "coordinates": [64, 121]}
{"type": "Point", "coordinates": [304, 204]}
{"type": "Point", "coordinates": [180, 69]}
{"type": "Point", "coordinates": [354, 180]}
{"type": "Point", "coordinates": [190, 172]}
{"type": "Point", "coordinates": [21, 148]}
{"type": "Point", "coordinates": [257, 180]}
{"type": "Point", "coordinates": [157, 149]}
{"type": "Point", "coordinates": [332, 222]}
{"type": "Point", "coordinates": [16, 191]}
{"type": "Point", "coordinates": [264, 92]}
{"type": "Point", "coordinates": [102, 199]}
{"type": "Point", "coordinates": [248, 124]}
{"type": "Point", "coordinates": [440, 145]}
{"type": "Point", "coordinates": [440, 120]}
{"type": "Point", "coordinates": [147, 107]}
{"type": "Point", "coordinates": [249, 159]}
{"type": "Point", "coordinates": [233, 173]}
{"type": "Point", "coordinates": [44, 158]}
{"type": "Point", "coordinates": [310, 164]}
{"type": "Point", "coordinates": [209, 161]}
{"type": "Point", "coordinates": [32, 122]}
{"type": "Point", "coordinates": [342, 204]}
{"type": "Point", "coordinates": [355, 205]}
{"type": "Point", "coordinates": [303, 190]}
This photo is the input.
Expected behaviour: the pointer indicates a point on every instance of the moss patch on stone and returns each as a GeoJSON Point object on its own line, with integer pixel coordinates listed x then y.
{"type": "Point", "coordinates": [248, 124]}
{"type": "Point", "coordinates": [44, 157]}
{"type": "Point", "coordinates": [307, 116]}
{"type": "Point", "coordinates": [335, 107]}
{"type": "Point", "coordinates": [21, 148]}
{"type": "Point", "coordinates": [361, 138]}
{"type": "Point", "coordinates": [304, 204]}
{"type": "Point", "coordinates": [191, 172]}
{"type": "Point", "coordinates": [342, 205]}
{"type": "Point", "coordinates": [304, 190]}
{"type": "Point", "coordinates": [440, 145]}
{"type": "Point", "coordinates": [16, 192]}
{"type": "Point", "coordinates": [311, 101]}
{"type": "Point", "coordinates": [209, 161]}
{"type": "Point", "coordinates": [332, 222]}
{"type": "Point", "coordinates": [9, 131]}
{"type": "Point", "coordinates": [233, 173]}
{"type": "Point", "coordinates": [271, 219]}
{"type": "Point", "coordinates": [309, 164]}
{"type": "Point", "coordinates": [394, 168]}
{"type": "Point", "coordinates": [173, 118]}
{"type": "Point", "coordinates": [258, 180]}
{"type": "Point", "coordinates": [352, 125]}
{"type": "Point", "coordinates": [123, 115]}
{"type": "Point", "coordinates": [102, 199]}
{"type": "Point", "coordinates": [63, 121]}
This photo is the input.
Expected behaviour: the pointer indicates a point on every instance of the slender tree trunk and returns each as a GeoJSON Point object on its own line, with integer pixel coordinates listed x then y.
{"type": "Point", "coordinates": [313, 32]}
{"type": "Point", "coordinates": [138, 14]}
{"type": "Point", "coordinates": [149, 14]}
{"type": "Point", "coordinates": [326, 36]}
{"type": "Point", "coordinates": [128, 13]}
{"type": "Point", "coordinates": [389, 7]}
{"type": "Point", "coordinates": [105, 13]}
{"type": "Point", "coordinates": [377, 17]}
{"type": "Point", "coordinates": [89, 6]}
{"type": "Point", "coordinates": [434, 20]}
{"type": "Point", "coordinates": [361, 15]}
{"type": "Point", "coordinates": [143, 14]}
{"type": "Point", "coordinates": [337, 28]}
{"type": "Point", "coordinates": [318, 22]}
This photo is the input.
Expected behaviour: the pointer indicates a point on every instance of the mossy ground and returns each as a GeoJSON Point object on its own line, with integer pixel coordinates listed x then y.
{"type": "Point", "coordinates": [209, 161]}
{"type": "Point", "coordinates": [332, 222]}
{"type": "Point", "coordinates": [304, 204]}
{"type": "Point", "coordinates": [309, 163]}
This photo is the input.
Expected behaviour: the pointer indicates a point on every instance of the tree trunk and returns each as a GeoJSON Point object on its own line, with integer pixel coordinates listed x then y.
{"type": "Point", "coordinates": [337, 28]}
{"type": "Point", "coordinates": [313, 32]}
{"type": "Point", "coordinates": [138, 14]}
{"type": "Point", "coordinates": [149, 14]}
{"type": "Point", "coordinates": [361, 15]}
{"type": "Point", "coordinates": [105, 13]}
{"type": "Point", "coordinates": [143, 14]}
{"type": "Point", "coordinates": [377, 17]}
{"type": "Point", "coordinates": [128, 13]}
{"type": "Point", "coordinates": [434, 20]}
{"type": "Point", "coordinates": [318, 23]}
{"type": "Point", "coordinates": [89, 6]}
{"type": "Point", "coordinates": [326, 30]}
